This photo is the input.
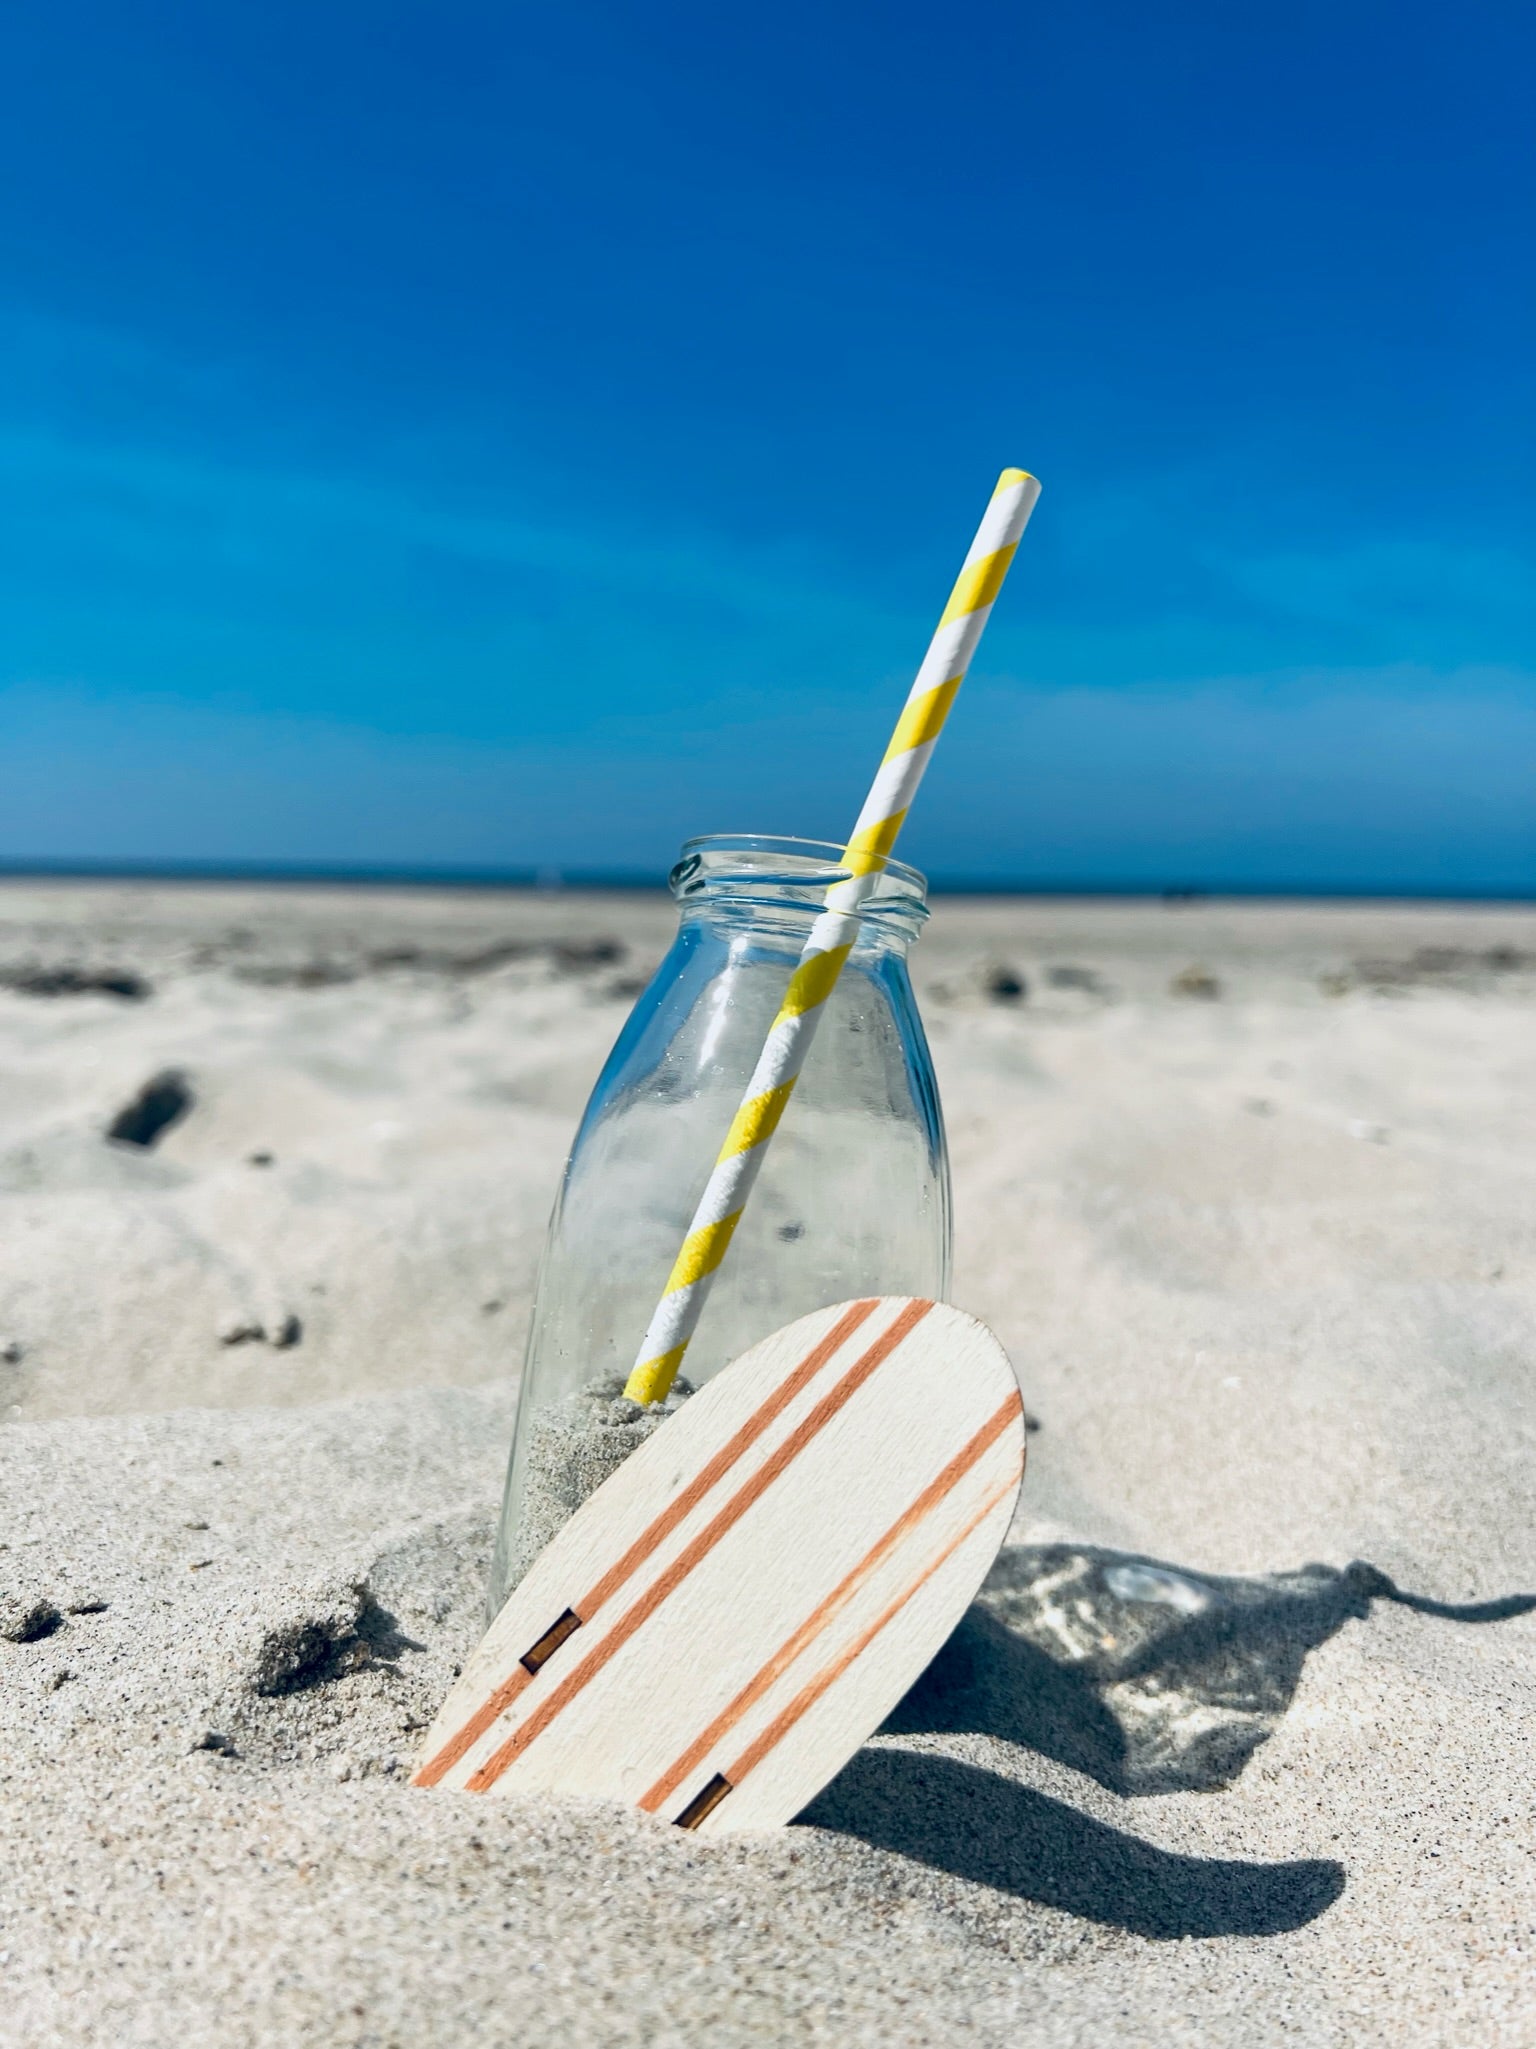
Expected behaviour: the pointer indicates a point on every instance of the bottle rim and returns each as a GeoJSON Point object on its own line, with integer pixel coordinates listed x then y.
{"type": "Point", "coordinates": [779, 873]}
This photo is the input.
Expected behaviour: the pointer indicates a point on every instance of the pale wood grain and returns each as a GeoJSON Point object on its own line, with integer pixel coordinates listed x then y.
{"type": "Point", "coordinates": [736, 1610]}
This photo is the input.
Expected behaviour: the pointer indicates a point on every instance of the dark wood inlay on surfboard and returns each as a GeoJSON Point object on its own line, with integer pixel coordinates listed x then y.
{"type": "Point", "coordinates": [705, 1802]}
{"type": "Point", "coordinates": [550, 1641]}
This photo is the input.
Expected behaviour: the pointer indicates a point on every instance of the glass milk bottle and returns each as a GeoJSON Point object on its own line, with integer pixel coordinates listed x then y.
{"type": "Point", "coordinates": [853, 1197]}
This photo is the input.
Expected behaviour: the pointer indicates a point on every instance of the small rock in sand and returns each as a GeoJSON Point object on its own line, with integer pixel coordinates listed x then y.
{"type": "Point", "coordinates": [1197, 984]}
{"type": "Point", "coordinates": [164, 1100]}
{"type": "Point", "coordinates": [28, 1618]}
{"type": "Point", "coordinates": [281, 1331]}
{"type": "Point", "coordinates": [12, 1351]}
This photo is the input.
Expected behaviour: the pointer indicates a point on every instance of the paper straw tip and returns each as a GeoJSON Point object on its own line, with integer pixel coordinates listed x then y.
{"type": "Point", "coordinates": [1009, 478]}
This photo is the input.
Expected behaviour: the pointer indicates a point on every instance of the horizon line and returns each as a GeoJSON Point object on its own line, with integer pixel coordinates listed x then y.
{"type": "Point", "coordinates": [550, 879]}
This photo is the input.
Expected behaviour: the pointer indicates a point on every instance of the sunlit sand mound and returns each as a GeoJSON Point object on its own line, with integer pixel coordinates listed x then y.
{"type": "Point", "coordinates": [1234, 1747]}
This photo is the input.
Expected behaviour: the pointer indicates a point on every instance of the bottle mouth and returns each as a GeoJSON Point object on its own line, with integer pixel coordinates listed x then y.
{"type": "Point", "coordinates": [757, 875]}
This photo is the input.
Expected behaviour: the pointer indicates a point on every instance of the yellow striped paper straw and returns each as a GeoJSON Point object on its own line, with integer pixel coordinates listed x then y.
{"type": "Point", "coordinates": [832, 937]}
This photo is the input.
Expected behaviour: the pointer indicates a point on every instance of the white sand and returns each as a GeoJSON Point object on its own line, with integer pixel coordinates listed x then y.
{"type": "Point", "coordinates": [1266, 1260]}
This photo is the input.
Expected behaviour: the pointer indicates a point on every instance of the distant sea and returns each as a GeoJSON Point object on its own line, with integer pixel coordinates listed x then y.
{"type": "Point", "coordinates": [941, 883]}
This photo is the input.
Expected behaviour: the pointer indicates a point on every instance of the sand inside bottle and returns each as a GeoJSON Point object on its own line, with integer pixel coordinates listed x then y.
{"type": "Point", "coordinates": [573, 1447]}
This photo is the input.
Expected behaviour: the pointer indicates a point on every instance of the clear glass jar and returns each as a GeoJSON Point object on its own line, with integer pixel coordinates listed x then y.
{"type": "Point", "coordinates": [853, 1198]}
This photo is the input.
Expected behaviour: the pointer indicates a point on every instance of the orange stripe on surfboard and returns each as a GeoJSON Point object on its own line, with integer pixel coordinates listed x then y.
{"type": "Point", "coordinates": [667, 1583]}
{"type": "Point", "coordinates": [728, 1455]}
{"type": "Point", "coordinates": [457, 1747]}
{"type": "Point", "coordinates": [823, 1616]}
{"type": "Point", "coordinates": [658, 1530]}
{"type": "Point", "coordinates": [831, 1672]}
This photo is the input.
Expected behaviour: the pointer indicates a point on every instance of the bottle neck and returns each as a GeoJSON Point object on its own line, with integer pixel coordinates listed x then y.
{"type": "Point", "coordinates": [775, 888]}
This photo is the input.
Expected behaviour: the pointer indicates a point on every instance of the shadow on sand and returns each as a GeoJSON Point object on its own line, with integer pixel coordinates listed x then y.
{"type": "Point", "coordinates": [1143, 1676]}
{"type": "Point", "coordinates": [976, 1825]}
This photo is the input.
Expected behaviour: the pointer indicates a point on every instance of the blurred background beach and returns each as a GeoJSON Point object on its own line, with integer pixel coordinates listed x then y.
{"type": "Point", "coordinates": [452, 455]}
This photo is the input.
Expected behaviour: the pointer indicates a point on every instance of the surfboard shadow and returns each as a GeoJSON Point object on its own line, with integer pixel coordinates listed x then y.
{"type": "Point", "coordinates": [976, 1825]}
{"type": "Point", "coordinates": [1146, 1677]}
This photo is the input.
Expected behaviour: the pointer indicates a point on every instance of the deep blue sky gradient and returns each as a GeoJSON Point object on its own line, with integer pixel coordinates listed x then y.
{"type": "Point", "coordinates": [479, 435]}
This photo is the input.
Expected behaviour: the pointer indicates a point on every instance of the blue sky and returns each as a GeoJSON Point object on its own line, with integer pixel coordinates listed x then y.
{"type": "Point", "coordinates": [487, 435]}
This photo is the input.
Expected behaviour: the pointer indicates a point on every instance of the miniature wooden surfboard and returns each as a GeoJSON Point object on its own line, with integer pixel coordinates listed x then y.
{"type": "Point", "coordinates": [713, 1635]}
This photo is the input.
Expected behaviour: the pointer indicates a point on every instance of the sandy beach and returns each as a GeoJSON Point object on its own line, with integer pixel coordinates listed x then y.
{"type": "Point", "coordinates": [1236, 1748]}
